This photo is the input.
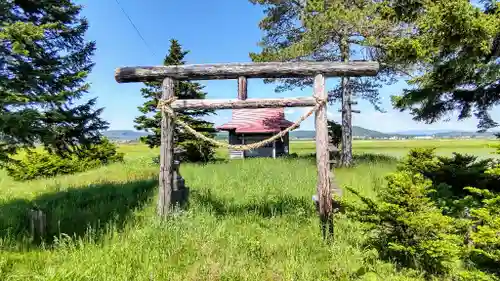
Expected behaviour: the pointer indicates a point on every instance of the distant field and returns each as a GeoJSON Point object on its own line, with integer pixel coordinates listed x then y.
{"type": "Point", "coordinates": [397, 148]}
{"type": "Point", "coordinates": [248, 220]}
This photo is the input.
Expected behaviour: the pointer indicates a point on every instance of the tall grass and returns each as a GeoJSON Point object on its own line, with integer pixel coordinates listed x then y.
{"type": "Point", "coordinates": [248, 219]}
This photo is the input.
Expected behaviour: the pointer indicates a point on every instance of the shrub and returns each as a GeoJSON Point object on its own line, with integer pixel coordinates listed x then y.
{"type": "Point", "coordinates": [450, 177]}
{"type": "Point", "coordinates": [484, 244]}
{"type": "Point", "coordinates": [40, 163]}
{"type": "Point", "coordinates": [197, 151]}
{"type": "Point", "coordinates": [430, 218]}
{"type": "Point", "coordinates": [408, 228]}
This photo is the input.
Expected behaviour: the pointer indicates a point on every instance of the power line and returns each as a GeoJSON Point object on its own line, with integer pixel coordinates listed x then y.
{"type": "Point", "coordinates": [136, 29]}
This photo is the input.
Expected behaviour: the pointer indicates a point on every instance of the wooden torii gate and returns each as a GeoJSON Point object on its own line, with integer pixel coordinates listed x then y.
{"type": "Point", "coordinates": [242, 71]}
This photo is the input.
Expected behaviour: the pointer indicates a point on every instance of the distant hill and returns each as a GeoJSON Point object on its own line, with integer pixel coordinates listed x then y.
{"type": "Point", "coordinates": [123, 135]}
{"type": "Point", "coordinates": [456, 134]}
{"type": "Point", "coordinates": [358, 132]}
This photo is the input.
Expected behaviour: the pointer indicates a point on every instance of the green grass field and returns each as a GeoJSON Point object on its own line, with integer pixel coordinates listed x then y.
{"type": "Point", "coordinates": [247, 220]}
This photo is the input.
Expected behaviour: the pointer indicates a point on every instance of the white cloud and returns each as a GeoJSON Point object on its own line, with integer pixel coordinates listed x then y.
{"type": "Point", "coordinates": [289, 111]}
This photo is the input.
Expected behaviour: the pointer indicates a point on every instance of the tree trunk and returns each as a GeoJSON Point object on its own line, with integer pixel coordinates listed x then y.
{"type": "Point", "coordinates": [346, 156]}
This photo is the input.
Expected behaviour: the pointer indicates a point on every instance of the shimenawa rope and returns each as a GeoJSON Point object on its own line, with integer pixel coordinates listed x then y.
{"type": "Point", "coordinates": [165, 106]}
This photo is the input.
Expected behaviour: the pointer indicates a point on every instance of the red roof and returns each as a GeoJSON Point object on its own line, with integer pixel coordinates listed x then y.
{"type": "Point", "coordinates": [260, 120]}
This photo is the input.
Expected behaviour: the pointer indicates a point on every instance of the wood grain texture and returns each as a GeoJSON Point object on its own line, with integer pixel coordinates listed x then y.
{"type": "Point", "coordinates": [238, 104]}
{"type": "Point", "coordinates": [249, 70]}
{"type": "Point", "coordinates": [242, 88]}
{"type": "Point", "coordinates": [322, 159]}
{"type": "Point", "coordinates": [166, 154]}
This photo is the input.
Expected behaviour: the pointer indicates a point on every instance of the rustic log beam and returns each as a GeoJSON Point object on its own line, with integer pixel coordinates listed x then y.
{"type": "Point", "coordinates": [238, 104]}
{"type": "Point", "coordinates": [166, 154]}
{"type": "Point", "coordinates": [249, 70]}
{"type": "Point", "coordinates": [322, 161]}
{"type": "Point", "coordinates": [242, 88]}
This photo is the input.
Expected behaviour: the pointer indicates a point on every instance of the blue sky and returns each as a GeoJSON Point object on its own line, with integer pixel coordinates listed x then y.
{"type": "Point", "coordinates": [213, 31]}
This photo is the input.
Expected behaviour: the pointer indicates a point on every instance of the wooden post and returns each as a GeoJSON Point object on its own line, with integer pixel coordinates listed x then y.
{"type": "Point", "coordinates": [38, 224]}
{"type": "Point", "coordinates": [242, 88]}
{"type": "Point", "coordinates": [166, 153]}
{"type": "Point", "coordinates": [322, 160]}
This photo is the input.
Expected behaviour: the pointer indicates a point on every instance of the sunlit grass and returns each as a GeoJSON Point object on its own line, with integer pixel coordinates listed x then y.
{"type": "Point", "coordinates": [249, 219]}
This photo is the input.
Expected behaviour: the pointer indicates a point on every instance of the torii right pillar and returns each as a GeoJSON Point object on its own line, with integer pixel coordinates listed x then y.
{"type": "Point", "coordinates": [324, 195]}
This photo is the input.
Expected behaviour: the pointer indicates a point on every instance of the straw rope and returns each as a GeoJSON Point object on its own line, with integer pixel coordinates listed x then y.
{"type": "Point", "coordinates": [165, 106]}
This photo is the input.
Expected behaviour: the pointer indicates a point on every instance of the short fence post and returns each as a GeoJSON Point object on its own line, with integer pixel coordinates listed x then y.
{"type": "Point", "coordinates": [38, 224]}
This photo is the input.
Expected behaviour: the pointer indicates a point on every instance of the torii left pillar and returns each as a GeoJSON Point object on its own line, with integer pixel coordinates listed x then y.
{"type": "Point", "coordinates": [166, 153]}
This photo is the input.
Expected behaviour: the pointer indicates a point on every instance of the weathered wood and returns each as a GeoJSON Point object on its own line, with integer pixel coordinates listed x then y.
{"type": "Point", "coordinates": [249, 103]}
{"type": "Point", "coordinates": [322, 159]}
{"type": "Point", "coordinates": [38, 224]}
{"type": "Point", "coordinates": [346, 154]}
{"type": "Point", "coordinates": [166, 153]}
{"type": "Point", "coordinates": [242, 88]}
{"type": "Point", "coordinates": [354, 103]}
{"type": "Point", "coordinates": [249, 70]}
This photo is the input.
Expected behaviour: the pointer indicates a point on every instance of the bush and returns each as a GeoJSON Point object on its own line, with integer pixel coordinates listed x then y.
{"type": "Point", "coordinates": [451, 177]}
{"type": "Point", "coordinates": [408, 228]}
{"type": "Point", "coordinates": [38, 164]}
{"type": "Point", "coordinates": [197, 151]}
{"type": "Point", "coordinates": [429, 216]}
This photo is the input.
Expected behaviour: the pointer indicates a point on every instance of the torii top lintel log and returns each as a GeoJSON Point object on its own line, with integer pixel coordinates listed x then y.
{"type": "Point", "coordinates": [249, 70]}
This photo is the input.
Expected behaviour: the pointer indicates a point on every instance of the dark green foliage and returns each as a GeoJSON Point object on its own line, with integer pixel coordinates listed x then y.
{"type": "Point", "coordinates": [38, 164]}
{"type": "Point", "coordinates": [335, 139]}
{"type": "Point", "coordinates": [197, 150]}
{"type": "Point", "coordinates": [458, 69]}
{"type": "Point", "coordinates": [485, 253]}
{"type": "Point", "coordinates": [430, 217]}
{"type": "Point", "coordinates": [451, 175]}
{"type": "Point", "coordinates": [44, 61]}
{"type": "Point", "coordinates": [409, 229]}
{"type": "Point", "coordinates": [334, 133]}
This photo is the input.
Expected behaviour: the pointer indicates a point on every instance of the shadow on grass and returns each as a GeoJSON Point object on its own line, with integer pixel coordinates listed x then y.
{"type": "Point", "coordinates": [363, 158]}
{"type": "Point", "coordinates": [75, 211]}
{"type": "Point", "coordinates": [265, 207]}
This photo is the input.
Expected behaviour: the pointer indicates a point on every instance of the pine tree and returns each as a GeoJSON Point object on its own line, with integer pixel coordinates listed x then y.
{"type": "Point", "coordinates": [456, 48]}
{"type": "Point", "coordinates": [328, 30]}
{"type": "Point", "coordinates": [197, 150]}
{"type": "Point", "coordinates": [44, 61]}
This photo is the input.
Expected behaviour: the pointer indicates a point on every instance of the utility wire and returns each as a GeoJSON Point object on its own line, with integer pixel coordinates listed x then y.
{"type": "Point", "coordinates": [136, 29]}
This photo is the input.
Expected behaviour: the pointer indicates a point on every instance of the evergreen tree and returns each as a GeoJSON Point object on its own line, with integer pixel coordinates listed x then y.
{"type": "Point", "coordinates": [196, 150]}
{"type": "Point", "coordinates": [328, 30]}
{"type": "Point", "coordinates": [44, 61]}
{"type": "Point", "coordinates": [455, 47]}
